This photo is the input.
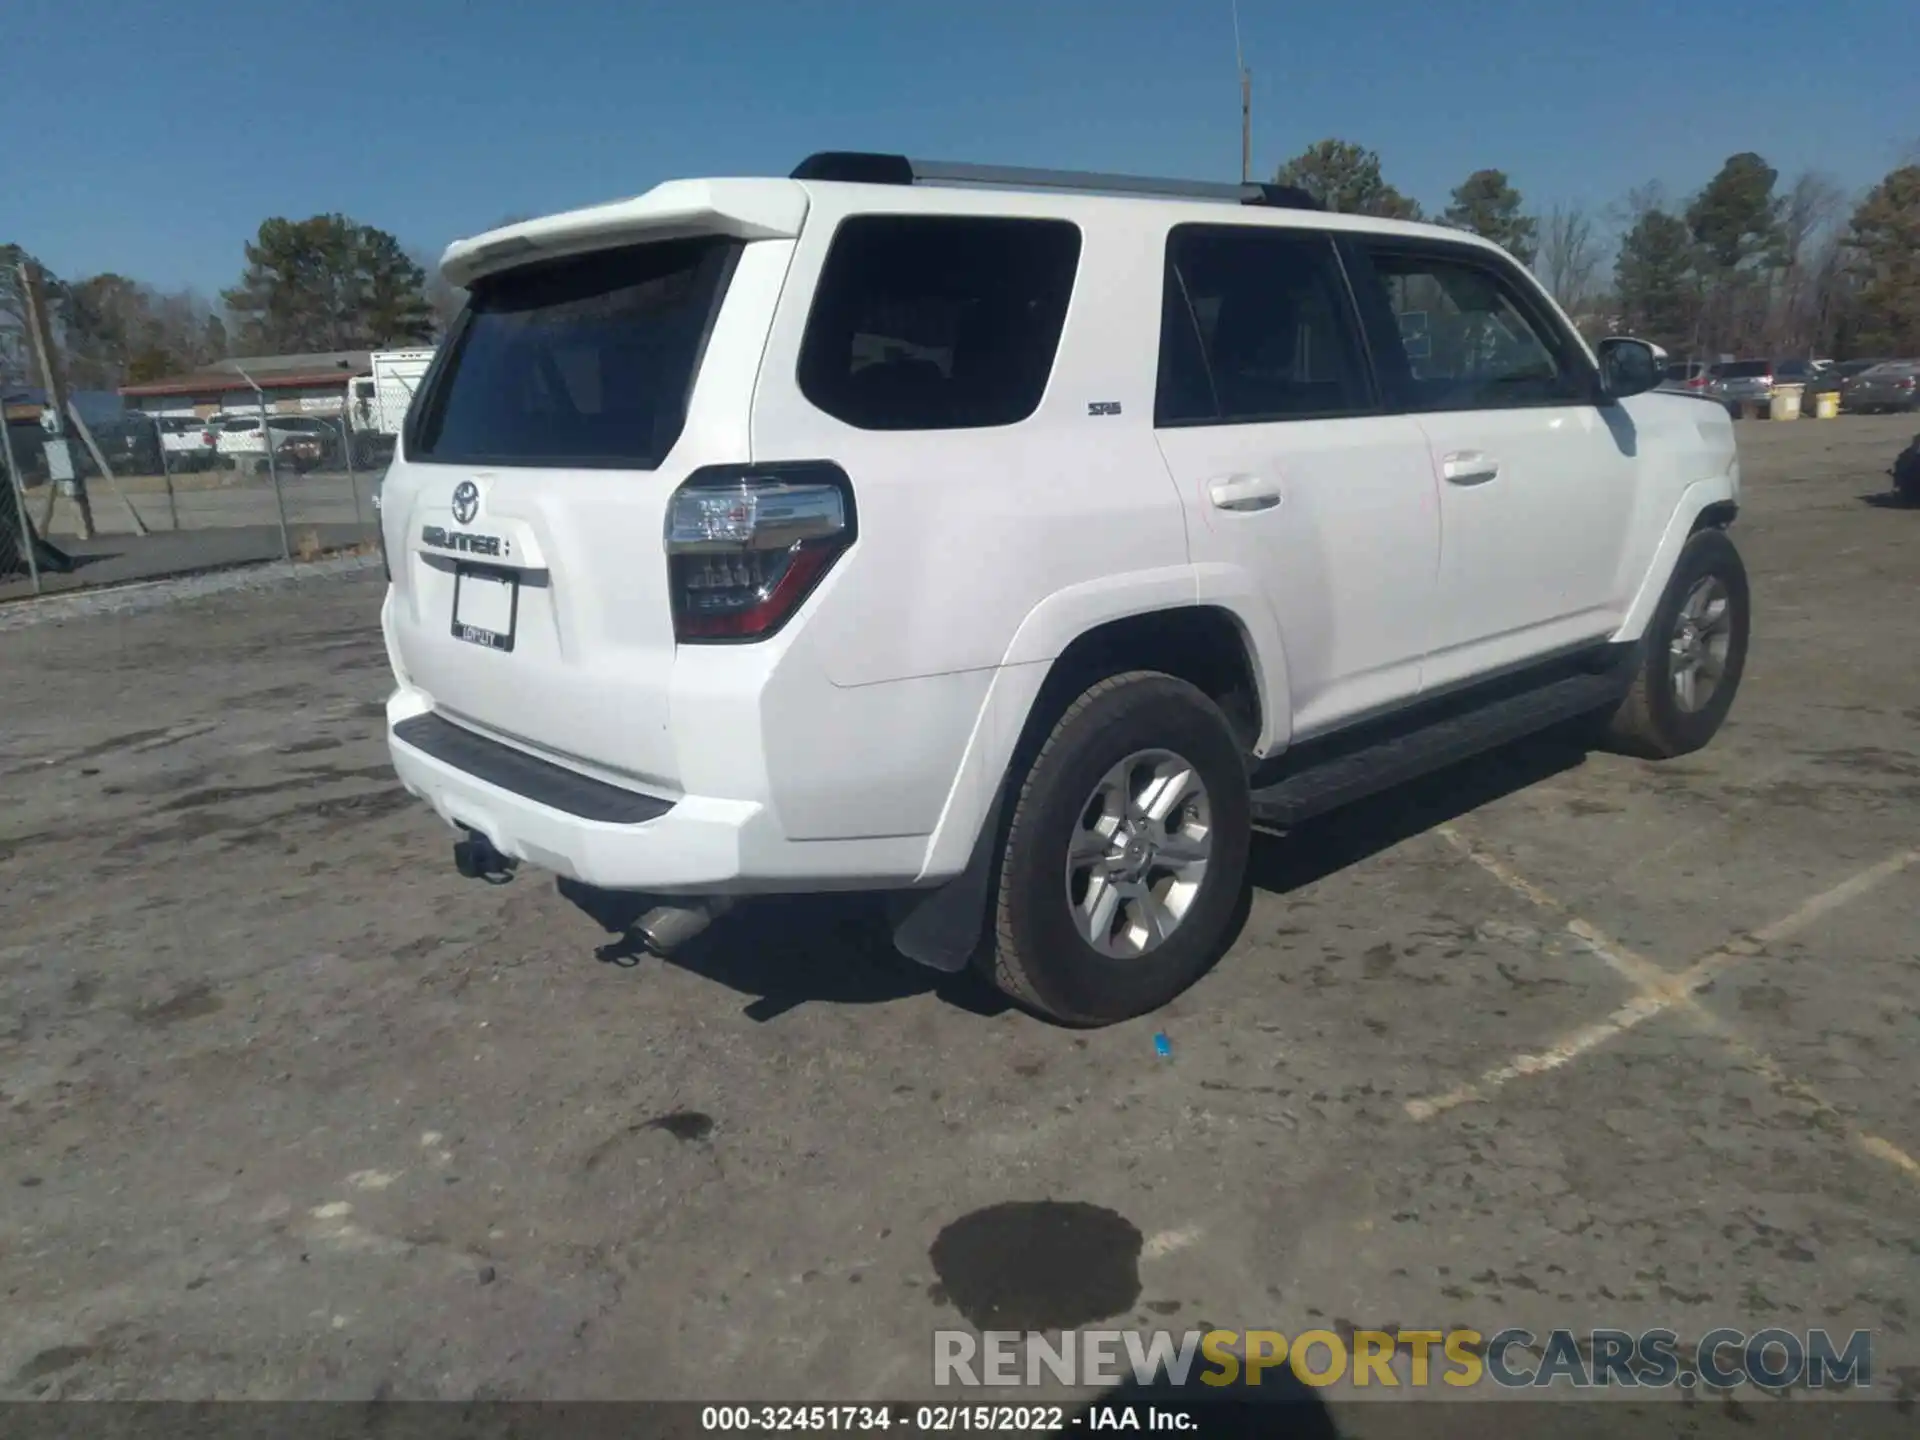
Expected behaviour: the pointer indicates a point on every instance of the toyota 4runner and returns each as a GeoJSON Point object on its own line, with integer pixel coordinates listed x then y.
{"type": "Point", "coordinates": [1015, 542]}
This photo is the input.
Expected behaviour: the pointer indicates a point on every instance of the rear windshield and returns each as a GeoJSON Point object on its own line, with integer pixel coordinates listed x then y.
{"type": "Point", "coordinates": [1744, 369]}
{"type": "Point", "coordinates": [938, 322]}
{"type": "Point", "coordinates": [586, 361]}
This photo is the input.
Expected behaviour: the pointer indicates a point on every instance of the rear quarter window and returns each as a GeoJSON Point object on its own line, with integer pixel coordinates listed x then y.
{"type": "Point", "coordinates": [937, 322]}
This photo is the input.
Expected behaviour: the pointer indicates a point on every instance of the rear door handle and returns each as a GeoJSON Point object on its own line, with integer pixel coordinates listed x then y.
{"type": "Point", "coordinates": [1469, 467]}
{"type": "Point", "coordinates": [1243, 492]}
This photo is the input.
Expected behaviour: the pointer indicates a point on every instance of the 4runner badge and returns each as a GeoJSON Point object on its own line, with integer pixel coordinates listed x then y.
{"type": "Point", "coordinates": [463, 542]}
{"type": "Point", "coordinates": [466, 501]}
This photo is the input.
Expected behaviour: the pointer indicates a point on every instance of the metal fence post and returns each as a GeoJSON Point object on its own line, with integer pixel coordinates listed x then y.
{"type": "Point", "coordinates": [17, 485]}
{"type": "Point", "coordinates": [353, 481]}
{"type": "Point", "coordinates": [166, 476]}
{"type": "Point", "coordinates": [273, 470]}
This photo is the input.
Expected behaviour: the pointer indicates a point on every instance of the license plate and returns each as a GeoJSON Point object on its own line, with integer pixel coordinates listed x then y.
{"type": "Point", "coordinates": [485, 605]}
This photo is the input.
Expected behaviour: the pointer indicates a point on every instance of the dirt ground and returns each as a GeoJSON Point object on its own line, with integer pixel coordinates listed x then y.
{"type": "Point", "coordinates": [291, 1110]}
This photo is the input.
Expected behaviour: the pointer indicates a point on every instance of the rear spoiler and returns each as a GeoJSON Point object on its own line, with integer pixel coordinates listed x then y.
{"type": "Point", "coordinates": [746, 209]}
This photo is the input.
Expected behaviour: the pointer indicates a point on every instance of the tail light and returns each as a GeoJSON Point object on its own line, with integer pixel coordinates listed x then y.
{"type": "Point", "coordinates": [747, 544]}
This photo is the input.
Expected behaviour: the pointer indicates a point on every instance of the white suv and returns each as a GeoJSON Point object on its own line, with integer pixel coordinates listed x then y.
{"type": "Point", "coordinates": [1015, 541]}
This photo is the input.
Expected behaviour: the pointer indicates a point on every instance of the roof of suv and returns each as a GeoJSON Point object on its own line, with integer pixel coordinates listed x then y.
{"type": "Point", "coordinates": [774, 208]}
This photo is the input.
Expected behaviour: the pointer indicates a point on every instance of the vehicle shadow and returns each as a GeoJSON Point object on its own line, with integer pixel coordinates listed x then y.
{"type": "Point", "coordinates": [783, 951]}
{"type": "Point", "coordinates": [1888, 500]}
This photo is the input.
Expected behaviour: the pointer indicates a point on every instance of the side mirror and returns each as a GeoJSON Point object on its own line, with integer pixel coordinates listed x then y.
{"type": "Point", "coordinates": [1629, 367]}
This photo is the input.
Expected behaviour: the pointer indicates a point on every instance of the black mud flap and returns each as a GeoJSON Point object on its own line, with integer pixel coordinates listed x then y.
{"type": "Point", "coordinates": [941, 928]}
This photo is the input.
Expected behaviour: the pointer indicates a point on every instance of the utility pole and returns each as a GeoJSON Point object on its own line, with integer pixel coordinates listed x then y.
{"type": "Point", "coordinates": [40, 331]}
{"type": "Point", "coordinates": [1246, 125]}
{"type": "Point", "coordinates": [1246, 100]}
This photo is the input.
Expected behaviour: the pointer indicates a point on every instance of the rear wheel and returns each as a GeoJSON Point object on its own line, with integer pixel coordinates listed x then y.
{"type": "Point", "coordinates": [1694, 655]}
{"type": "Point", "coordinates": [1121, 875]}
{"type": "Point", "coordinates": [1906, 473]}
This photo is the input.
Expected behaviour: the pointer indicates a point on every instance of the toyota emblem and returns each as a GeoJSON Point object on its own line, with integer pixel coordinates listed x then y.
{"type": "Point", "coordinates": [466, 501]}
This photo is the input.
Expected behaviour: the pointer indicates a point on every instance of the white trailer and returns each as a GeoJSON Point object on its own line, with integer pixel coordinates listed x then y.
{"type": "Point", "coordinates": [379, 401]}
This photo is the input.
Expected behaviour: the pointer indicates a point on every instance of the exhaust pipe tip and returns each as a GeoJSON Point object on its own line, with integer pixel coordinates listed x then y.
{"type": "Point", "coordinates": [665, 928]}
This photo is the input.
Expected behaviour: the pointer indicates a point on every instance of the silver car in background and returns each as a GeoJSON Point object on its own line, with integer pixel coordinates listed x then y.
{"type": "Point", "coordinates": [1891, 385]}
{"type": "Point", "coordinates": [1741, 382]}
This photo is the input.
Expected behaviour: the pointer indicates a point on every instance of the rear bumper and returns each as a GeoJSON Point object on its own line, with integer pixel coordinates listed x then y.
{"type": "Point", "coordinates": [691, 844]}
{"type": "Point", "coordinates": [532, 810]}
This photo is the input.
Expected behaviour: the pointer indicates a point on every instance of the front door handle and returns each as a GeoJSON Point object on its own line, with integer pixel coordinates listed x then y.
{"type": "Point", "coordinates": [1243, 492]}
{"type": "Point", "coordinates": [1469, 467]}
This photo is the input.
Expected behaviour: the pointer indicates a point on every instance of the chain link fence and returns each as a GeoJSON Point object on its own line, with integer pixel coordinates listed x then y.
{"type": "Point", "coordinates": [155, 494]}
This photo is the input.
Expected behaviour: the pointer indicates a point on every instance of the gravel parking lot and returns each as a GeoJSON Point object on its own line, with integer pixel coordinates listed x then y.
{"type": "Point", "coordinates": [1552, 1039]}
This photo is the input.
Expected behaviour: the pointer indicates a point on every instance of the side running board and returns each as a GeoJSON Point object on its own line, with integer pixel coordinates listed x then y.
{"type": "Point", "coordinates": [1358, 771]}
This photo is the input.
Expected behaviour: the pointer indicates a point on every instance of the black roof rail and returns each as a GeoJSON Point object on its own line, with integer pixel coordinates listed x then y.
{"type": "Point", "coordinates": [864, 168]}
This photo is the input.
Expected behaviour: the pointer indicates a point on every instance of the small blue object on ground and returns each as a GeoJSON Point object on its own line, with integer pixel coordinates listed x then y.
{"type": "Point", "coordinates": [1161, 1045]}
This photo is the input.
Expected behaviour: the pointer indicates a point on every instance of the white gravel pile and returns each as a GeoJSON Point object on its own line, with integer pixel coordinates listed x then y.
{"type": "Point", "coordinates": [149, 594]}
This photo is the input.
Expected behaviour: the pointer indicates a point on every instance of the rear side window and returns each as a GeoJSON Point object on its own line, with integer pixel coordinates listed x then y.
{"type": "Point", "coordinates": [937, 322]}
{"type": "Point", "coordinates": [587, 361]}
{"type": "Point", "coordinates": [1469, 338]}
{"type": "Point", "coordinates": [1256, 325]}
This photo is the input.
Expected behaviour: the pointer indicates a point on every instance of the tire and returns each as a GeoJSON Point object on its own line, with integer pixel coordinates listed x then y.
{"type": "Point", "coordinates": [1132, 726]}
{"type": "Point", "coordinates": [1654, 721]}
{"type": "Point", "coordinates": [1906, 473]}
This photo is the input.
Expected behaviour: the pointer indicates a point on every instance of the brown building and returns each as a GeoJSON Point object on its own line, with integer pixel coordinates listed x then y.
{"type": "Point", "coordinates": [292, 385]}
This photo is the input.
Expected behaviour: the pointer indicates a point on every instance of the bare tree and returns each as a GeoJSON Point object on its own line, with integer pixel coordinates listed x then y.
{"type": "Point", "coordinates": [1828, 308]}
{"type": "Point", "coordinates": [1630, 207]}
{"type": "Point", "coordinates": [1810, 214]}
{"type": "Point", "coordinates": [1570, 255]}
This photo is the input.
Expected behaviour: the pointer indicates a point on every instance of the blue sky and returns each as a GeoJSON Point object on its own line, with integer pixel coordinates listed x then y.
{"type": "Point", "coordinates": [152, 138]}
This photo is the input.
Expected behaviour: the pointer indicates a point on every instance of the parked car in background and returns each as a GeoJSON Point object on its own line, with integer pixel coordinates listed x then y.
{"type": "Point", "coordinates": [189, 442]}
{"type": "Point", "coordinates": [237, 441]}
{"type": "Point", "coordinates": [1693, 376]}
{"type": "Point", "coordinates": [1890, 385]}
{"type": "Point", "coordinates": [303, 442]}
{"type": "Point", "coordinates": [1824, 381]}
{"type": "Point", "coordinates": [300, 442]}
{"type": "Point", "coordinates": [1847, 369]}
{"type": "Point", "coordinates": [1741, 382]}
